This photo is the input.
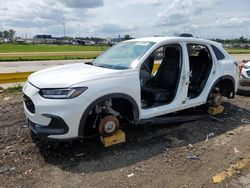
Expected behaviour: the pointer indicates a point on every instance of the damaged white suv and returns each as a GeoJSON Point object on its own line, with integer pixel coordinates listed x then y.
{"type": "Point", "coordinates": [133, 81]}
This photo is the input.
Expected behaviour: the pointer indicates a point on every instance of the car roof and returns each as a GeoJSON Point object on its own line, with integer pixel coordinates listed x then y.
{"type": "Point", "coordinates": [175, 39]}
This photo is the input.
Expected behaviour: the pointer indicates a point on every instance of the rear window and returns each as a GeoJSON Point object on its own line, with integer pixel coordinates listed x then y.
{"type": "Point", "coordinates": [219, 55]}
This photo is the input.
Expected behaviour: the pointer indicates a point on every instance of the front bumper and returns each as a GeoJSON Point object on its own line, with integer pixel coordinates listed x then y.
{"type": "Point", "coordinates": [57, 126]}
{"type": "Point", "coordinates": [55, 119]}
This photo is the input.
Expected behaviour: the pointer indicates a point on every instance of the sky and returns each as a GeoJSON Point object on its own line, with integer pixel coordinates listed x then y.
{"type": "Point", "coordinates": [138, 18]}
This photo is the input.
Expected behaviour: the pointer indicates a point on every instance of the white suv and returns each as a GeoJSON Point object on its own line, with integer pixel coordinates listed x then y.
{"type": "Point", "coordinates": [131, 82]}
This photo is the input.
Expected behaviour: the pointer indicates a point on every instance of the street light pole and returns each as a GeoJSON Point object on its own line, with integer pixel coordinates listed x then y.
{"type": "Point", "coordinates": [64, 27]}
{"type": "Point", "coordinates": [78, 30]}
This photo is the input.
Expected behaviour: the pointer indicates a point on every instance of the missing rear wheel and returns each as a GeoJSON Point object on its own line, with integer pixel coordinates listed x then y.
{"type": "Point", "coordinates": [217, 100]}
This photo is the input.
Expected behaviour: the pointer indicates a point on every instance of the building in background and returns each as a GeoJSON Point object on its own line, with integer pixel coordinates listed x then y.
{"type": "Point", "coordinates": [37, 37]}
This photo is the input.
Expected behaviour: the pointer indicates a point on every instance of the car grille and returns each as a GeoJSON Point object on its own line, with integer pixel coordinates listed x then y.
{"type": "Point", "coordinates": [248, 73]}
{"type": "Point", "coordinates": [29, 104]}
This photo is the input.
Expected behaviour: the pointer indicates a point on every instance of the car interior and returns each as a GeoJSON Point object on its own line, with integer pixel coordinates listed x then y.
{"type": "Point", "coordinates": [158, 88]}
{"type": "Point", "coordinates": [200, 63]}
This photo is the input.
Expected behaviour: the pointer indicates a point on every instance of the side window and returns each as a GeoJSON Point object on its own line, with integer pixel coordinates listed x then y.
{"type": "Point", "coordinates": [219, 55]}
{"type": "Point", "coordinates": [195, 50]}
{"type": "Point", "coordinates": [159, 54]}
{"type": "Point", "coordinates": [158, 57]}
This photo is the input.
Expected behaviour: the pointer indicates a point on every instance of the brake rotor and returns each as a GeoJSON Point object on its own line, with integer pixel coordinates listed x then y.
{"type": "Point", "coordinates": [108, 125]}
{"type": "Point", "coordinates": [217, 100]}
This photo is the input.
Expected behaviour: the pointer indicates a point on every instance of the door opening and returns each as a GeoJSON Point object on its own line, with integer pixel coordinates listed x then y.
{"type": "Point", "coordinates": [159, 87]}
{"type": "Point", "coordinates": [200, 63]}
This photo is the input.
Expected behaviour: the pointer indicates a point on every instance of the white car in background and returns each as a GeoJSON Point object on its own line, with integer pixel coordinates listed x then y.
{"type": "Point", "coordinates": [245, 71]}
{"type": "Point", "coordinates": [244, 82]}
{"type": "Point", "coordinates": [134, 81]}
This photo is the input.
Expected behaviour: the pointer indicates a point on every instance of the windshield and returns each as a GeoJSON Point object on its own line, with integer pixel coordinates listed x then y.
{"type": "Point", "coordinates": [122, 55]}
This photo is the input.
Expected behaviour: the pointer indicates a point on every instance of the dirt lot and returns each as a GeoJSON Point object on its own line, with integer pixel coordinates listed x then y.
{"type": "Point", "coordinates": [153, 156]}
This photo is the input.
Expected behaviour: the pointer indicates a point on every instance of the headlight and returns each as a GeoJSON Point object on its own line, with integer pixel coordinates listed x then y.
{"type": "Point", "coordinates": [65, 93]}
{"type": "Point", "coordinates": [247, 66]}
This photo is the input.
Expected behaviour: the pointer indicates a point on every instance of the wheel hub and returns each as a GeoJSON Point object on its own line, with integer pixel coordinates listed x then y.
{"type": "Point", "coordinates": [217, 100]}
{"type": "Point", "coordinates": [108, 125]}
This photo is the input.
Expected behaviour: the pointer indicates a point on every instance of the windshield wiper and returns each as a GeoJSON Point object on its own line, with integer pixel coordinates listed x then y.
{"type": "Point", "coordinates": [111, 66]}
{"type": "Point", "coordinates": [101, 65]}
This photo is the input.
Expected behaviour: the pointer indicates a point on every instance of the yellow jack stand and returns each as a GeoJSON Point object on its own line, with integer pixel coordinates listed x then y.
{"type": "Point", "coordinates": [117, 138]}
{"type": "Point", "coordinates": [215, 110]}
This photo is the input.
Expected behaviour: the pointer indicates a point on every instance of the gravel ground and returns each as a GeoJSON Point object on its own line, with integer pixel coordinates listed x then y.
{"type": "Point", "coordinates": [153, 156]}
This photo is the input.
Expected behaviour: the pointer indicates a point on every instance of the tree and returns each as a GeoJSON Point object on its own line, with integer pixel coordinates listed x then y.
{"type": "Point", "coordinates": [126, 37]}
{"type": "Point", "coordinates": [242, 40]}
{"type": "Point", "coordinates": [12, 33]}
{"type": "Point", "coordinates": [6, 34]}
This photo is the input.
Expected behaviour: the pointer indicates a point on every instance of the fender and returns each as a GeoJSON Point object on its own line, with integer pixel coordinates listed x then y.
{"type": "Point", "coordinates": [101, 99]}
{"type": "Point", "coordinates": [220, 79]}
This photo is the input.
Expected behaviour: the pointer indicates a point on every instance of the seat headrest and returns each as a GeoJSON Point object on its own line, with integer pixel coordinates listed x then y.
{"type": "Point", "coordinates": [203, 53]}
{"type": "Point", "coordinates": [171, 52]}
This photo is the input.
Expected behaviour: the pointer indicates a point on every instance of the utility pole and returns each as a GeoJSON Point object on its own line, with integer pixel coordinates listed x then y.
{"type": "Point", "coordinates": [64, 27]}
{"type": "Point", "coordinates": [78, 33]}
{"type": "Point", "coordinates": [246, 32]}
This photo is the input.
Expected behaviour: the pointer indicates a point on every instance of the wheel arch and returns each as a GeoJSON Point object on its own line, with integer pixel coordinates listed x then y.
{"type": "Point", "coordinates": [123, 96]}
{"type": "Point", "coordinates": [224, 79]}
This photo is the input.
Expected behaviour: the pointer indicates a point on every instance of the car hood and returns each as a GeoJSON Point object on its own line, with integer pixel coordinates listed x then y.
{"type": "Point", "coordinates": [68, 75]}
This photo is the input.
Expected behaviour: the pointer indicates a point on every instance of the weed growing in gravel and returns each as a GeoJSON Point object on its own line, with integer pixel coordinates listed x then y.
{"type": "Point", "coordinates": [14, 88]}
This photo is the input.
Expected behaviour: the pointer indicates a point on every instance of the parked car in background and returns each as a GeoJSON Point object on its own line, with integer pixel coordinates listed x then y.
{"type": "Point", "coordinates": [244, 82]}
{"type": "Point", "coordinates": [133, 81]}
{"type": "Point", "coordinates": [87, 42]}
{"type": "Point", "coordinates": [245, 71]}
